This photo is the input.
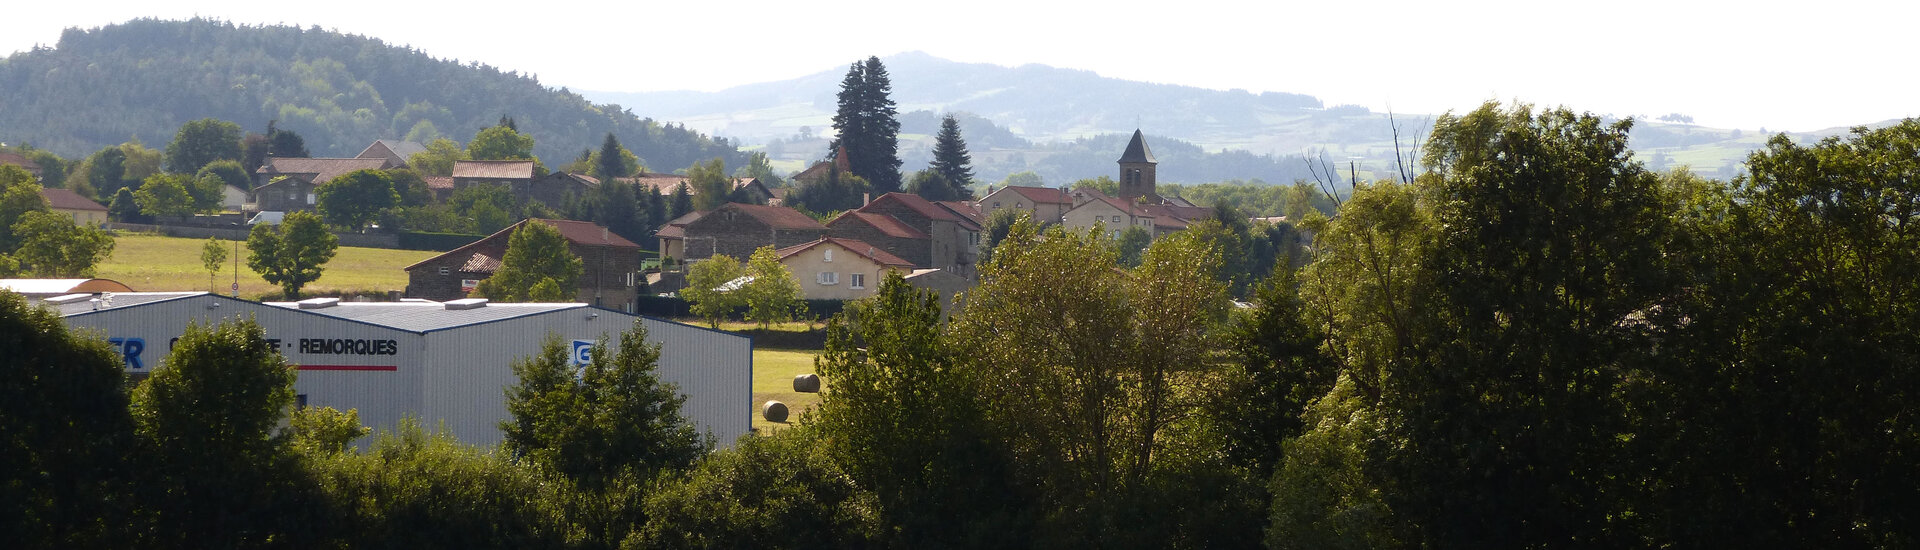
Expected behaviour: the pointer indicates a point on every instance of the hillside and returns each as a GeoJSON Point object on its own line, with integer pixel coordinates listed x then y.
{"type": "Point", "coordinates": [1051, 109]}
{"type": "Point", "coordinates": [143, 78]}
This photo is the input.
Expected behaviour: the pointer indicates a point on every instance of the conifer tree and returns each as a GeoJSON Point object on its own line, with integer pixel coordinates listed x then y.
{"type": "Point", "coordinates": [950, 158]}
{"type": "Point", "coordinates": [868, 127]}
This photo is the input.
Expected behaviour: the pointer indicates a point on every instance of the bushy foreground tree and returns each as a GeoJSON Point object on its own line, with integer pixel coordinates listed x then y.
{"type": "Point", "coordinates": [291, 254]}
{"type": "Point", "coordinates": [538, 267]}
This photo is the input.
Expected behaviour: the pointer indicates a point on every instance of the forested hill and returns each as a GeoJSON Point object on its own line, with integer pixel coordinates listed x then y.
{"type": "Point", "coordinates": [145, 78]}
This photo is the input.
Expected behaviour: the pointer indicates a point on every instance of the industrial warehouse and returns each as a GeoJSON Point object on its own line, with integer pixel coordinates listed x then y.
{"type": "Point", "coordinates": [447, 363]}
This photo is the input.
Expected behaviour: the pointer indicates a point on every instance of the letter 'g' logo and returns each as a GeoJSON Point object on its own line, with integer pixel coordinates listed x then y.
{"type": "Point", "coordinates": [582, 352]}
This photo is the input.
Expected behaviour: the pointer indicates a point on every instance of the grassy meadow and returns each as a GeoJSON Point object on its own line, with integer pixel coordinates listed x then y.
{"type": "Point", "coordinates": [773, 372]}
{"type": "Point", "coordinates": [153, 263]}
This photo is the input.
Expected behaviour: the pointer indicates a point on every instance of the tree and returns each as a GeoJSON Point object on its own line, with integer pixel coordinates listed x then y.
{"type": "Point", "coordinates": [906, 423]}
{"type": "Point", "coordinates": [773, 294]}
{"type": "Point", "coordinates": [777, 491]}
{"type": "Point", "coordinates": [950, 158]}
{"type": "Point", "coordinates": [65, 430]}
{"type": "Point", "coordinates": [208, 416]}
{"type": "Point", "coordinates": [838, 191]}
{"type": "Point", "coordinates": [1131, 245]}
{"type": "Point", "coordinates": [1280, 371]}
{"type": "Point", "coordinates": [536, 253]}
{"type": "Point", "coordinates": [759, 167]}
{"type": "Point", "coordinates": [999, 224]}
{"type": "Point", "coordinates": [411, 187]}
{"type": "Point", "coordinates": [166, 195]}
{"type": "Point", "coordinates": [932, 186]}
{"type": "Point", "coordinates": [282, 142]}
{"type": "Point", "coordinates": [1024, 179]}
{"type": "Point", "coordinates": [613, 161]}
{"type": "Point", "coordinates": [868, 126]}
{"type": "Point", "coordinates": [354, 199]}
{"type": "Point", "coordinates": [614, 205]}
{"type": "Point", "coordinates": [291, 254]}
{"type": "Point", "coordinates": [710, 184]}
{"type": "Point", "coordinates": [500, 143]}
{"type": "Point", "coordinates": [227, 172]}
{"type": "Point", "coordinates": [439, 157]}
{"type": "Point", "coordinates": [708, 289]}
{"type": "Point", "coordinates": [213, 256]}
{"type": "Point", "coordinates": [490, 206]}
{"type": "Point", "coordinates": [52, 246]}
{"type": "Point", "coordinates": [597, 423]}
{"type": "Point", "coordinates": [253, 152]}
{"type": "Point", "coordinates": [125, 208]}
{"type": "Point", "coordinates": [682, 201]}
{"type": "Point", "coordinates": [18, 196]}
{"type": "Point", "coordinates": [106, 170]}
{"type": "Point", "coordinates": [200, 142]}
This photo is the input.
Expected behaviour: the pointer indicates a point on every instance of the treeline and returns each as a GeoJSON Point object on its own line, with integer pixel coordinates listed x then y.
{"type": "Point", "coordinates": [144, 78]}
{"type": "Point", "coordinates": [1536, 343]}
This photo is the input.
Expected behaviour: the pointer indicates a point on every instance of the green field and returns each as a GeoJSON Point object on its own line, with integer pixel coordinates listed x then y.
{"type": "Point", "coordinates": [153, 263]}
{"type": "Point", "coordinates": [773, 372]}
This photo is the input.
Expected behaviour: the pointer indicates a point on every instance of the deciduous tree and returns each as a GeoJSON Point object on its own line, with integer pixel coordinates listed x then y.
{"type": "Point", "coordinates": [213, 256]}
{"type": "Point", "coordinates": [291, 254]}
{"type": "Point", "coordinates": [166, 195]}
{"type": "Point", "coordinates": [200, 142]}
{"type": "Point", "coordinates": [536, 252]}
{"type": "Point", "coordinates": [708, 291]}
{"type": "Point", "coordinates": [710, 184]}
{"type": "Point", "coordinates": [52, 246]}
{"type": "Point", "coordinates": [773, 294]}
{"type": "Point", "coordinates": [354, 199]}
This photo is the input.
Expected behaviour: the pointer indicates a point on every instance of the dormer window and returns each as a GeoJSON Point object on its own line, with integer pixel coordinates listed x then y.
{"type": "Point", "coordinates": [827, 256]}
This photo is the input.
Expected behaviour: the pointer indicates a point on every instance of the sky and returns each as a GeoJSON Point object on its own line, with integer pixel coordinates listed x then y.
{"type": "Point", "coordinates": [1800, 66]}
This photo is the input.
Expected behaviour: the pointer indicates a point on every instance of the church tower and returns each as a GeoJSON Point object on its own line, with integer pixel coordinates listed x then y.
{"type": "Point", "coordinates": [1136, 170]}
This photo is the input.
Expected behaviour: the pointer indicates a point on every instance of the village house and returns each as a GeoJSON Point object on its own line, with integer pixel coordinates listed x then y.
{"type": "Point", "coordinates": [396, 153]}
{"type": "Point", "coordinates": [511, 173]}
{"type": "Point", "coordinates": [65, 201]}
{"type": "Point", "coordinates": [17, 159]}
{"type": "Point", "coordinates": [556, 188]}
{"type": "Point", "coordinates": [287, 184]}
{"type": "Point", "coordinates": [736, 230]}
{"type": "Point", "coordinates": [1044, 204]}
{"type": "Point", "coordinates": [929, 234]}
{"type": "Point", "coordinates": [1138, 203]}
{"type": "Point", "coordinates": [833, 268]}
{"type": "Point", "coordinates": [610, 279]}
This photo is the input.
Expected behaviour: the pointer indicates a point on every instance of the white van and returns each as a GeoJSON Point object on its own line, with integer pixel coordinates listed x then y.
{"type": "Point", "coordinates": [269, 218]}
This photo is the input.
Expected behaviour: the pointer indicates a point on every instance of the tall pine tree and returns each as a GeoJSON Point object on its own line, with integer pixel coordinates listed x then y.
{"type": "Point", "coordinates": [868, 125]}
{"type": "Point", "coordinates": [950, 158]}
{"type": "Point", "coordinates": [613, 159]}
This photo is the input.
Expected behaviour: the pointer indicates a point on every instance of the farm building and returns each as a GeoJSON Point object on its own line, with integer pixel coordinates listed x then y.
{"type": "Point", "coordinates": [445, 363]}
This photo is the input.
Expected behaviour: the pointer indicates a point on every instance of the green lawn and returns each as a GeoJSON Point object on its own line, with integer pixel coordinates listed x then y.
{"type": "Point", "coordinates": [153, 263]}
{"type": "Point", "coordinates": [773, 372]}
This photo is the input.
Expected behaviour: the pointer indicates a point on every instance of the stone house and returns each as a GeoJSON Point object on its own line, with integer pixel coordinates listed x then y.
{"type": "Point", "coordinates": [929, 234]}
{"type": "Point", "coordinates": [1112, 215]}
{"type": "Point", "coordinates": [1044, 204]}
{"type": "Point", "coordinates": [610, 279]}
{"type": "Point", "coordinates": [555, 189]}
{"type": "Point", "coordinates": [736, 230]}
{"type": "Point", "coordinates": [85, 212]}
{"type": "Point", "coordinates": [511, 173]}
{"type": "Point", "coordinates": [832, 268]}
{"type": "Point", "coordinates": [396, 152]}
{"type": "Point", "coordinates": [17, 159]}
{"type": "Point", "coordinates": [287, 184]}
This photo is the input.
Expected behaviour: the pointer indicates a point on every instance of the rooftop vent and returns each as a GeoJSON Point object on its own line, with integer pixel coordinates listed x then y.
{"type": "Point", "coordinates": [317, 303]}
{"type": "Point", "coordinates": [67, 299]}
{"type": "Point", "coordinates": [466, 303]}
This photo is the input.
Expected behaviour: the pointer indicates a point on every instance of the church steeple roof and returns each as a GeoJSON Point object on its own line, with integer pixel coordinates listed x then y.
{"type": "Point", "coordinates": [1137, 150]}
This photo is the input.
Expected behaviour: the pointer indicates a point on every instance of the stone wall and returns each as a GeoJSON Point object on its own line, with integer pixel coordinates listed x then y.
{"type": "Point", "coordinates": [364, 240]}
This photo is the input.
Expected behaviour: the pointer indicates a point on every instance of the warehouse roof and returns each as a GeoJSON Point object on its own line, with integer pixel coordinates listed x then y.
{"type": "Point", "coordinates": [81, 302]}
{"type": "Point", "coordinates": [425, 316]}
{"type": "Point", "coordinates": [62, 286]}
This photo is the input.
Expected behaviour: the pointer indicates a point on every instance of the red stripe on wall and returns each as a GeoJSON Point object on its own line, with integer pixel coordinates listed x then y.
{"type": "Point", "coordinates": [351, 367]}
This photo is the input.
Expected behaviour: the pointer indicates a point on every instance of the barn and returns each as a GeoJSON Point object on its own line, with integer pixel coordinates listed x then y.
{"type": "Point", "coordinates": [445, 363]}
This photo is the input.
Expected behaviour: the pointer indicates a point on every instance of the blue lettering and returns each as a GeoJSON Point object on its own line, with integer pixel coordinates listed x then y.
{"type": "Point", "coordinates": [130, 349]}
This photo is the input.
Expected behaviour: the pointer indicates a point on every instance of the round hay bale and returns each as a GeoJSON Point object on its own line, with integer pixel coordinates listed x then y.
{"type": "Point", "coordinates": [807, 383]}
{"type": "Point", "coordinates": [774, 411]}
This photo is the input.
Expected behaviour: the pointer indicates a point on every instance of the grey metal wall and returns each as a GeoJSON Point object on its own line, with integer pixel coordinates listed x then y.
{"type": "Point", "coordinates": [381, 396]}
{"type": "Point", "coordinates": [469, 369]}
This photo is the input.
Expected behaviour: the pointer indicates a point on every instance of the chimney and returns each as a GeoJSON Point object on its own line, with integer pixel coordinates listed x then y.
{"type": "Point", "coordinates": [866, 199]}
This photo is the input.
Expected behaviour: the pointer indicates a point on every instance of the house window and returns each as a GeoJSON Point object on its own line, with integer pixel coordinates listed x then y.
{"type": "Point", "coordinates": [996, 204]}
{"type": "Point", "coordinates": [973, 237]}
{"type": "Point", "coordinates": [829, 255]}
{"type": "Point", "coordinates": [444, 270]}
{"type": "Point", "coordinates": [1116, 219]}
{"type": "Point", "coordinates": [856, 280]}
{"type": "Point", "coordinates": [300, 401]}
{"type": "Point", "coordinates": [309, 198]}
{"type": "Point", "coordinates": [829, 278]}
{"type": "Point", "coordinates": [1019, 205]}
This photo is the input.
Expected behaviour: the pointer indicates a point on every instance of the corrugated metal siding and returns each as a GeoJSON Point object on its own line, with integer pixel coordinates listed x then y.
{"type": "Point", "coordinates": [469, 369]}
{"type": "Point", "coordinates": [382, 397]}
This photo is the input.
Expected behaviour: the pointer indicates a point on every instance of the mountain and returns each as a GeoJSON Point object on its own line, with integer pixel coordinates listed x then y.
{"type": "Point", "coordinates": [1051, 109]}
{"type": "Point", "coordinates": [144, 78]}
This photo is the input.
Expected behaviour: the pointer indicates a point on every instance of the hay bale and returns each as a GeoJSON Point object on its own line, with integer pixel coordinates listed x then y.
{"type": "Point", "coordinates": [774, 411]}
{"type": "Point", "coordinates": [807, 383]}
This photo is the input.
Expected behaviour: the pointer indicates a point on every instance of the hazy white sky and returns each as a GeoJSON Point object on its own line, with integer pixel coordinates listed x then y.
{"type": "Point", "coordinates": [1728, 64]}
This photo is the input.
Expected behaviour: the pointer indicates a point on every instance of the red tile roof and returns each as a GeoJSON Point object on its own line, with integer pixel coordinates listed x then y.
{"type": "Point", "coordinates": [971, 216]}
{"type": "Point", "coordinates": [319, 170]}
{"type": "Point", "coordinates": [857, 248]}
{"type": "Point", "coordinates": [439, 182]}
{"type": "Point", "coordinates": [666, 183]}
{"type": "Point", "coordinates": [66, 199]}
{"type": "Point", "coordinates": [888, 225]}
{"type": "Point", "coordinates": [1044, 195]}
{"type": "Point", "coordinates": [493, 169]}
{"type": "Point", "coordinates": [914, 202]}
{"type": "Point", "coordinates": [483, 256]}
{"type": "Point", "coordinates": [20, 160]}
